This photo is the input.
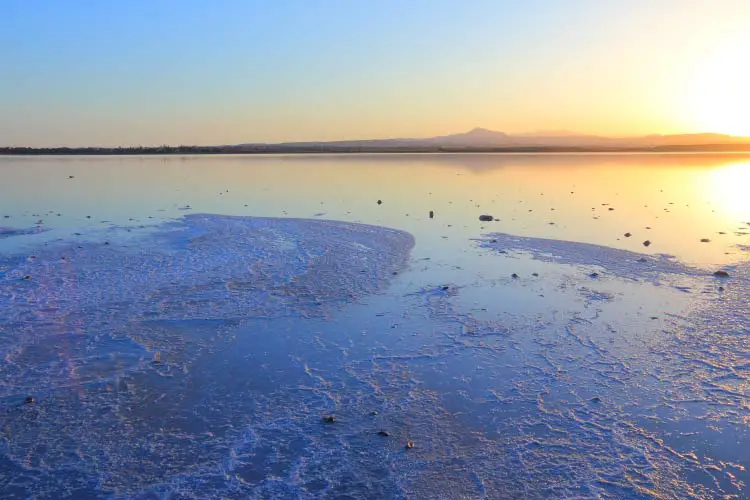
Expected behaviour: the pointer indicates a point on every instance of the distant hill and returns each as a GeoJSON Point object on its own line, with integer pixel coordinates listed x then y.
{"type": "Point", "coordinates": [475, 140]}
{"type": "Point", "coordinates": [484, 138]}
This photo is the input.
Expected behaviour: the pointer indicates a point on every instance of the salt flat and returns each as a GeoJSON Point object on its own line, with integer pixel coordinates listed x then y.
{"type": "Point", "coordinates": [187, 335]}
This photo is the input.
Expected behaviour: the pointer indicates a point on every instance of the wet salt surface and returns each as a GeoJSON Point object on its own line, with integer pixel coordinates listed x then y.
{"type": "Point", "coordinates": [581, 395]}
{"type": "Point", "coordinates": [197, 357]}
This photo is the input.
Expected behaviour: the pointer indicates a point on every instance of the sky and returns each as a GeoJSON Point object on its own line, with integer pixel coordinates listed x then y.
{"type": "Point", "coordinates": [145, 72]}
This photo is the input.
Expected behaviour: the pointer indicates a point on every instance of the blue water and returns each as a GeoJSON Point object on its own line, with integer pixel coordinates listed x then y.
{"type": "Point", "coordinates": [197, 354]}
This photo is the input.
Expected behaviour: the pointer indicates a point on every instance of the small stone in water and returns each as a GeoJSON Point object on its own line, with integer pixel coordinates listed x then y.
{"type": "Point", "coordinates": [514, 276]}
{"type": "Point", "coordinates": [30, 400]}
{"type": "Point", "coordinates": [409, 445]}
{"type": "Point", "coordinates": [329, 419]}
{"type": "Point", "coordinates": [384, 433]}
{"type": "Point", "coordinates": [594, 275]}
{"type": "Point", "coordinates": [721, 274]}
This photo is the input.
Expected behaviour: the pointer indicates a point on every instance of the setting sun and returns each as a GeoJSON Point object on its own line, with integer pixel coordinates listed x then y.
{"type": "Point", "coordinates": [721, 90]}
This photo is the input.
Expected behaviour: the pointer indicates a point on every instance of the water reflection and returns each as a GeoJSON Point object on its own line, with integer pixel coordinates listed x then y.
{"type": "Point", "coordinates": [673, 200]}
{"type": "Point", "coordinates": [729, 186]}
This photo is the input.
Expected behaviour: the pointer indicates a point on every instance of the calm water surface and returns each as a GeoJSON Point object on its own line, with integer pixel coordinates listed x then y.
{"type": "Point", "coordinates": [171, 374]}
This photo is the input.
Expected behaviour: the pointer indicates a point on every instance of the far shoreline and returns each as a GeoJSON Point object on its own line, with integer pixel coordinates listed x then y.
{"type": "Point", "coordinates": [291, 150]}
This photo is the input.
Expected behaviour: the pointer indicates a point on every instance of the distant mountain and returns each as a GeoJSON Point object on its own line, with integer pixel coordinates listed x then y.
{"type": "Point", "coordinates": [481, 138]}
{"type": "Point", "coordinates": [475, 140]}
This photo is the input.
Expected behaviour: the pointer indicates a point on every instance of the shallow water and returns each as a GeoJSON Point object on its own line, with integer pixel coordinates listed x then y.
{"type": "Point", "coordinates": [184, 324]}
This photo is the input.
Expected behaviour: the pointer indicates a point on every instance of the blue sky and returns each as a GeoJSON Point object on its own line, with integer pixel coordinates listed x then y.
{"type": "Point", "coordinates": [150, 72]}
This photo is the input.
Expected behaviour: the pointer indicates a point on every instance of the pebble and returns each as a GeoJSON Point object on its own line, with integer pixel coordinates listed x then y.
{"type": "Point", "coordinates": [380, 202]}
{"type": "Point", "coordinates": [646, 243]}
{"type": "Point", "coordinates": [409, 445]}
{"type": "Point", "coordinates": [30, 400]}
{"type": "Point", "coordinates": [486, 218]}
{"type": "Point", "coordinates": [514, 276]}
{"type": "Point", "coordinates": [329, 419]}
{"type": "Point", "coordinates": [628, 235]}
{"type": "Point", "coordinates": [721, 274]}
{"type": "Point", "coordinates": [384, 433]}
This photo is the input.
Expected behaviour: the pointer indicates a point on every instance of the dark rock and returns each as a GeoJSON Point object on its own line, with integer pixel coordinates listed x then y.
{"type": "Point", "coordinates": [594, 275]}
{"type": "Point", "coordinates": [536, 275]}
{"type": "Point", "coordinates": [646, 243]}
{"type": "Point", "coordinates": [610, 209]}
{"type": "Point", "coordinates": [384, 433]}
{"type": "Point", "coordinates": [486, 218]}
{"type": "Point", "coordinates": [432, 214]}
{"type": "Point", "coordinates": [380, 202]}
{"type": "Point", "coordinates": [27, 277]}
{"type": "Point", "coordinates": [596, 399]}
{"type": "Point", "coordinates": [30, 400]}
{"type": "Point", "coordinates": [628, 235]}
{"type": "Point", "coordinates": [71, 176]}
{"type": "Point", "coordinates": [445, 287]}
{"type": "Point", "coordinates": [374, 413]}
{"type": "Point", "coordinates": [721, 274]}
{"type": "Point", "coordinates": [514, 276]}
{"type": "Point", "coordinates": [721, 288]}
{"type": "Point", "coordinates": [409, 445]}
{"type": "Point", "coordinates": [705, 240]}
{"type": "Point", "coordinates": [329, 419]}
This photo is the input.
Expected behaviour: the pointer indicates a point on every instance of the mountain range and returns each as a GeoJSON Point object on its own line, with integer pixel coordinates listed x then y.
{"type": "Point", "coordinates": [475, 140]}
{"type": "Point", "coordinates": [481, 138]}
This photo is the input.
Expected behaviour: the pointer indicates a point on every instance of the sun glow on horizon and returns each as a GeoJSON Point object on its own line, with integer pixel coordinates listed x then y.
{"type": "Point", "coordinates": [720, 94]}
{"type": "Point", "coordinates": [729, 187]}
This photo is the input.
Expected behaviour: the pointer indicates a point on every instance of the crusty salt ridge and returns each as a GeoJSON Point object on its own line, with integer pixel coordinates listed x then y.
{"type": "Point", "coordinates": [201, 267]}
{"type": "Point", "coordinates": [682, 386]}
